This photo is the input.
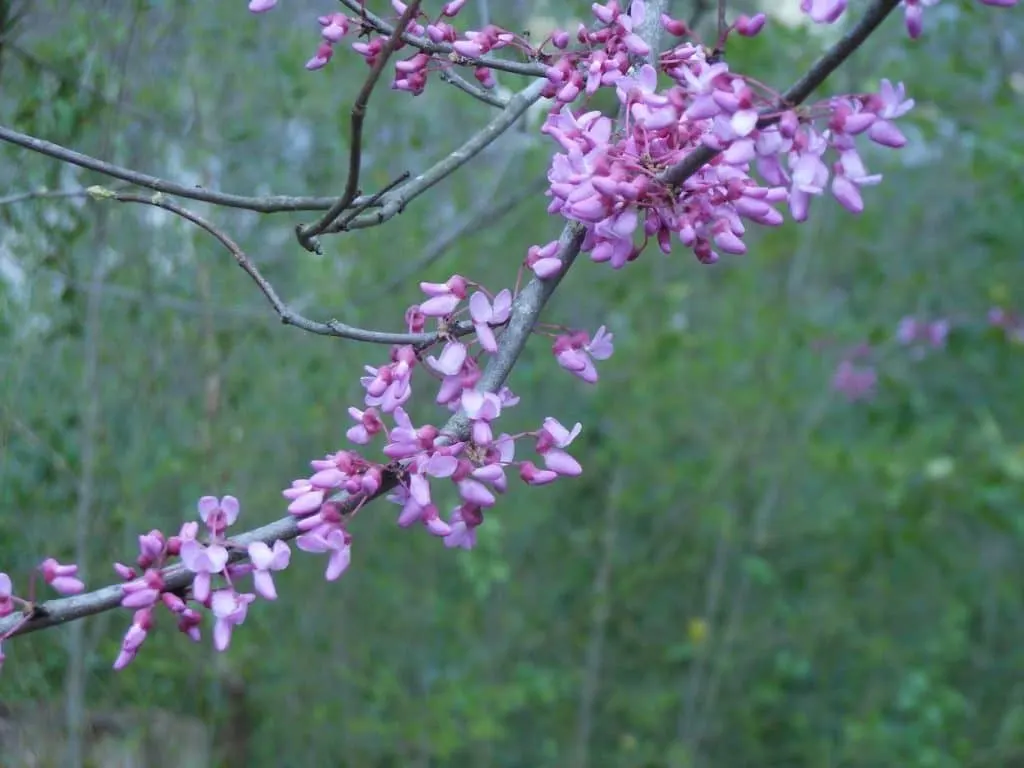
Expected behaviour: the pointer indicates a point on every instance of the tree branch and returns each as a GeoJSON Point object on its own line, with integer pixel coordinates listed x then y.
{"type": "Point", "coordinates": [267, 204]}
{"type": "Point", "coordinates": [307, 234]}
{"type": "Point", "coordinates": [453, 78]}
{"type": "Point", "coordinates": [393, 203]}
{"type": "Point", "coordinates": [288, 316]}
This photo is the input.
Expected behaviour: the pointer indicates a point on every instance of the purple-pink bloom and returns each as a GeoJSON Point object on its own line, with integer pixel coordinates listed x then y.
{"type": "Point", "coordinates": [337, 542]}
{"type": "Point", "coordinates": [229, 608]}
{"type": "Point", "coordinates": [575, 352]}
{"type": "Point", "coordinates": [855, 382]}
{"type": "Point", "coordinates": [823, 11]}
{"type": "Point", "coordinates": [264, 560]}
{"type": "Point", "coordinates": [6, 595]}
{"type": "Point", "coordinates": [203, 562]}
{"type": "Point", "coordinates": [142, 622]}
{"type": "Point", "coordinates": [61, 577]}
{"type": "Point", "coordinates": [486, 314]}
{"type": "Point", "coordinates": [482, 408]}
{"type": "Point", "coordinates": [218, 515]}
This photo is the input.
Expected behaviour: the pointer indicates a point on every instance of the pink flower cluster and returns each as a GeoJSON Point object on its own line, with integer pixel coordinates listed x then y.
{"type": "Point", "coordinates": [856, 378]}
{"type": "Point", "coordinates": [611, 182]}
{"type": "Point", "coordinates": [423, 456]}
{"type": "Point", "coordinates": [214, 586]}
{"type": "Point", "coordinates": [62, 578]}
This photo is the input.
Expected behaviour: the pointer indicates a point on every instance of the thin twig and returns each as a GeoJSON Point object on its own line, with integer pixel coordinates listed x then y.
{"type": "Point", "coordinates": [376, 23]}
{"type": "Point", "coordinates": [447, 75]}
{"type": "Point", "coordinates": [287, 314]}
{"type": "Point", "coordinates": [394, 202]}
{"type": "Point", "coordinates": [307, 234]}
{"type": "Point", "coordinates": [722, 26]}
{"type": "Point", "coordinates": [267, 204]}
{"type": "Point", "coordinates": [48, 194]}
{"type": "Point", "coordinates": [485, 217]}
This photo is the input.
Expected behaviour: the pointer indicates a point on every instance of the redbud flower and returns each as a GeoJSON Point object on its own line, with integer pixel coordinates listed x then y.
{"type": "Point", "coordinates": [144, 592]}
{"type": "Point", "coordinates": [464, 521]}
{"type": "Point", "coordinates": [890, 103]}
{"type": "Point", "coordinates": [485, 314]}
{"type": "Point", "coordinates": [229, 608]}
{"type": "Point", "coordinates": [304, 497]}
{"type": "Point", "coordinates": [6, 595]}
{"type": "Point", "coordinates": [323, 55]}
{"type": "Point", "coordinates": [264, 560]}
{"type": "Point", "coordinates": [855, 382]}
{"type": "Point", "coordinates": [551, 439]}
{"type": "Point", "coordinates": [574, 352]}
{"type": "Point", "coordinates": [444, 297]}
{"type": "Point", "coordinates": [543, 260]}
{"type": "Point", "coordinates": [749, 26]}
{"type": "Point", "coordinates": [151, 548]}
{"type": "Point", "coordinates": [134, 637]}
{"type": "Point", "coordinates": [453, 355]}
{"type": "Point", "coordinates": [482, 408]}
{"type": "Point", "coordinates": [823, 11]}
{"type": "Point", "coordinates": [368, 426]}
{"type": "Point", "coordinates": [203, 562]}
{"type": "Point", "coordinates": [674, 27]}
{"type": "Point", "coordinates": [218, 515]}
{"type": "Point", "coordinates": [337, 542]}
{"type": "Point", "coordinates": [259, 6]}
{"type": "Point", "coordinates": [335, 27]}
{"type": "Point", "coordinates": [61, 577]}
{"type": "Point", "coordinates": [532, 475]}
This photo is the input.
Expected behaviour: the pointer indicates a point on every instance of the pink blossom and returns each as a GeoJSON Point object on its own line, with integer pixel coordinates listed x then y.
{"type": "Point", "coordinates": [369, 424]}
{"type": "Point", "coordinates": [133, 639]}
{"type": "Point", "coordinates": [6, 595]}
{"type": "Point", "coordinates": [890, 103]}
{"type": "Point", "coordinates": [323, 54]}
{"type": "Point", "coordinates": [482, 408]}
{"type": "Point", "coordinates": [260, 6]}
{"type": "Point", "coordinates": [203, 562]}
{"type": "Point", "coordinates": [543, 260]}
{"type": "Point", "coordinates": [229, 609]}
{"type": "Point", "coordinates": [575, 352]}
{"type": "Point", "coordinates": [749, 26]}
{"type": "Point", "coordinates": [264, 560]}
{"type": "Point", "coordinates": [486, 314]}
{"type": "Point", "coordinates": [855, 382]}
{"type": "Point", "coordinates": [336, 542]}
{"type": "Point", "coordinates": [464, 521]}
{"type": "Point", "coordinates": [143, 592]}
{"type": "Point", "coordinates": [218, 515]}
{"type": "Point", "coordinates": [551, 440]}
{"type": "Point", "coordinates": [823, 11]}
{"type": "Point", "coordinates": [61, 577]}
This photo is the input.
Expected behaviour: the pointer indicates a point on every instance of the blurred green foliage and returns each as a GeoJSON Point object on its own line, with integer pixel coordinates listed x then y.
{"type": "Point", "coordinates": [751, 572]}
